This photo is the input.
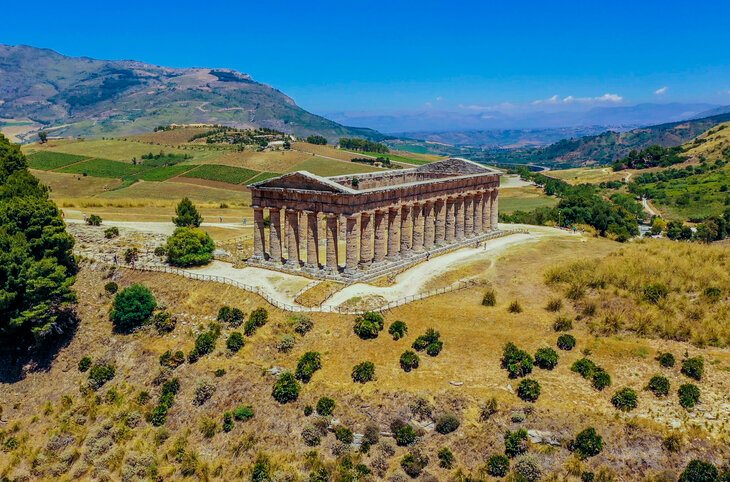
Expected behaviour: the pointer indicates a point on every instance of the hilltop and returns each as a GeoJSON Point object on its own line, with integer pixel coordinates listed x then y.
{"type": "Point", "coordinates": [80, 96]}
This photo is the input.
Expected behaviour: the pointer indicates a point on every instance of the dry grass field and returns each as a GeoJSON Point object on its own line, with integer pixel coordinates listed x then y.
{"type": "Point", "coordinates": [589, 175]}
{"type": "Point", "coordinates": [524, 199]}
{"type": "Point", "coordinates": [104, 434]}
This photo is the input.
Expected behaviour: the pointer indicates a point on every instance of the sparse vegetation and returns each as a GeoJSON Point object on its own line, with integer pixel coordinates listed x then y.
{"type": "Point", "coordinates": [409, 361]}
{"type": "Point", "coordinates": [368, 325]}
{"type": "Point", "coordinates": [566, 342]}
{"type": "Point", "coordinates": [528, 390]}
{"type": "Point", "coordinates": [398, 330]}
{"type": "Point", "coordinates": [132, 307]}
{"type": "Point", "coordinates": [625, 399]}
{"type": "Point", "coordinates": [693, 367]}
{"type": "Point", "coordinates": [518, 363]}
{"type": "Point", "coordinates": [363, 372]}
{"type": "Point", "coordinates": [689, 395]}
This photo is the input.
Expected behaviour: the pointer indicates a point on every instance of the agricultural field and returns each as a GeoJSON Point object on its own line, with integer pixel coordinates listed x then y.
{"type": "Point", "coordinates": [524, 199]}
{"type": "Point", "coordinates": [48, 161]}
{"type": "Point", "coordinates": [327, 167]}
{"type": "Point", "coordinates": [227, 174]}
{"type": "Point", "coordinates": [589, 175]}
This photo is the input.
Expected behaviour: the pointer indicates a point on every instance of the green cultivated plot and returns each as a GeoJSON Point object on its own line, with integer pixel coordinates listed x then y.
{"type": "Point", "coordinates": [48, 161]}
{"type": "Point", "coordinates": [216, 172]}
{"type": "Point", "coordinates": [165, 172]}
{"type": "Point", "coordinates": [104, 168]}
{"type": "Point", "coordinates": [263, 176]}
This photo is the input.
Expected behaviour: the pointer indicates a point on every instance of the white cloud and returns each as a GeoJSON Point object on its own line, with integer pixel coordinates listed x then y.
{"type": "Point", "coordinates": [661, 90]}
{"type": "Point", "coordinates": [439, 98]}
{"type": "Point", "coordinates": [605, 98]}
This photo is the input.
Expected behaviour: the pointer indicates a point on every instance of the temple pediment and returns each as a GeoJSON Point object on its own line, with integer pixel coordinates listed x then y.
{"type": "Point", "coordinates": [456, 166]}
{"type": "Point", "coordinates": [302, 180]}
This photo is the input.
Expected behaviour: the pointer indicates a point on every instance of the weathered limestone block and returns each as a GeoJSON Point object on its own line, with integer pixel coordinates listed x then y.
{"type": "Point", "coordinates": [406, 234]}
{"type": "Point", "coordinates": [366, 239]}
{"type": "Point", "coordinates": [393, 231]}
{"type": "Point", "coordinates": [259, 249]}
{"type": "Point", "coordinates": [312, 240]}
{"type": "Point", "coordinates": [332, 248]}
{"type": "Point", "coordinates": [429, 225]}
{"type": "Point", "coordinates": [292, 238]}
{"type": "Point", "coordinates": [275, 234]}
{"type": "Point", "coordinates": [417, 228]}
{"type": "Point", "coordinates": [380, 236]}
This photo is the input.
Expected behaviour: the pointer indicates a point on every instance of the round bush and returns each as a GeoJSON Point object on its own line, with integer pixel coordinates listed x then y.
{"type": "Point", "coordinates": [699, 471]}
{"type": "Point", "coordinates": [235, 341]}
{"type": "Point", "coordinates": [600, 379]}
{"type": "Point", "coordinates": [189, 247]}
{"type": "Point", "coordinates": [325, 406]}
{"type": "Point", "coordinates": [566, 342]}
{"type": "Point", "coordinates": [309, 363]}
{"type": "Point", "coordinates": [363, 372]}
{"type": "Point", "coordinates": [422, 342]}
{"type": "Point", "coordinates": [112, 232]}
{"type": "Point", "coordinates": [111, 288]}
{"type": "Point", "coordinates": [666, 360]}
{"type": "Point", "coordinates": [689, 395]}
{"type": "Point", "coordinates": [498, 465]}
{"type": "Point", "coordinates": [518, 363]}
{"type": "Point", "coordinates": [405, 435]}
{"type": "Point", "coordinates": [286, 388]}
{"type": "Point", "coordinates": [546, 358]}
{"type": "Point", "coordinates": [658, 385]}
{"type": "Point", "coordinates": [528, 390]}
{"type": "Point", "coordinates": [625, 399]}
{"type": "Point", "coordinates": [447, 423]}
{"type": "Point", "coordinates": [694, 367]}
{"type": "Point", "coordinates": [413, 463]}
{"type": "Point", "coordinates": [587, 443]}
{"type": "Point", "coordinates": [243, 413]}
{"type": "Point", "coordinates": [368, 325]}
{"type": "Point", "coordinates": [398, 329]}
{"type": "Point", "coordinates": [434, 348]}
{"type": "Point", "coordinates": [409, 360]}
{"type": "Point", "coordinates": [84, 364]}
{"type": "Point", "coordinates": [344, 434]}
{"type": "Point", "coordinates": [584, 367]}
{"type": "Point", "coordinates": [132, 307]}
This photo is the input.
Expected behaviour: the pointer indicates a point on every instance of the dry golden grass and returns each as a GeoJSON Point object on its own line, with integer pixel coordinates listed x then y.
{"type": "Point", "coordinates": [75, 185]}
{"type": "Point", "coordinates": [267, 161]}
{"type": "Point", "coordinates": [713, 143]}
{"type": "Point", "coordinates": [327, 151]}
{"type": "Point", "coordinates": [170, 190]}
{"type": "Point", "coordinates": [329, 167]}
{"type": "Point", "coordinates": [319, 293]}
{"type": "Point", "coordinates": [524, 199]}
{"type": "Point", "coordinates": [171, 137]}
{"type": "Point", "coordinates": [589, 175]}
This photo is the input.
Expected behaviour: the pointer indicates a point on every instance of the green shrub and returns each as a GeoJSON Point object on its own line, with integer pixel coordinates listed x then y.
{"type": "Point", "coordinates": [546, 358]}
{"type": "Point", "coordinates": [515, 443]}
{"type": "Point", "coordinates": [409, 360]}
{"type": "Point", "coordinates": [587, 443]}
{"type": "Point", "coordinates": [666, 360]}
{"type": "Point", "coordinates": [689, 395]}
{"type": "Point", "coordinates": [368, 325]}
{"type": "Point", "coordinates": [286, 388]}
{"type": "Point", "coordinates": [566, 342]}
{"type": "Point", "coordinates": [243, 413]}
{"type": "Point", "coordinates": [498, 465]}
{"type": "Point", "coordinates": [713, 294]}
{"type": "Point", "coordinates": [131, 255]}
{"type": "Point", "coordinates": [132, 307]}
{"type": "Point", "coordinates": [528, 390]}
{"type": "Point", "coordinates": [562, 323]}
{"type": "Point", "coordinates": [111, 288]}
{"type": "Point", "coordinates": [258, 318]}
{"type": "Point", "coordinates": [232, 316]}
{"type": "Point", "coordinates": [93, 220]}
{"type": "Point", "coordinates": [398, 329]}
{"type": "Point", "coordinates": [325, 406]}
{"type": "Point", "coordinates": [447, 423]}
{"type": "Point", "coordinates": [187, 214]}
{"type": "Point", "coordinates": [422, 342]}
{"type": "Point", "coordinates": [227, 422]}
{"type": "Point", "coordinates": [112, 232]}
{"type": "Point", "coordinates": [413, 463]}
{"type": "Point", "coordinates": [235, 341]}
{"type": "Point", "coordinates": [99, 374]}
{"type": "Point", "coordinates": [404, 434]}
{"type": "Point", "coordinates": [655, 292]}
{"type": "Point", "coordinates": [308, 410]}
{"type": "Point", "coordinates": [600, 379]}
{"type": "Point", "coordinates": [699, 471]}
{"type": "Point", "coordinates": [518, 363]}
{"type": "Point", "coordinates": [584, 367]}
{"type": "Point", "coordinates": [160, 251]}
{"type": "Point", "coordinates": [659, 386]}
{"type": "Point", "coordinates": [309, 363]}
{"type": "Point", "coordinates": [219, 372]}
{"type": "Point", "coordinates": [301, 324]}
{"type": "Point", "coordinates": [84, 364]}
{"type": "Point", "coordinates": [434, 348]}
{"type": "Point", "coordinates": [625, 399]}
{"type": "Point", "coordinates": [164, 322]}
{"type": "Point", "coordinates": [527, 468]}
{"type": "Point", "coordinates": [204, 344]}
{"type": "Point", "coordinates": [446, 458]}
{"type": "Point", "coordinates": [554, 305]}
{"type": "Point", "coordinates": [344, 434]}
{"type": "Point", "coordinates": [189, 247]}
{"type": "Point", "coordinates": [515, 307]}
{"type": "Point", "coordinates": [286, 343]}
{"type": "Point", "coordinates": [172, 360]}
{"type": "Point", "coordinates": [694, 367]}
{"type": "Point", "coordinates": [363, 372]}
{"type": "Point", "coordinates": [490, 298]}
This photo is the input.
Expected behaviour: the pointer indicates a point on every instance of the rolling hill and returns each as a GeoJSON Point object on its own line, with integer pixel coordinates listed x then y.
{"type": "Point", "coordinates": [85, 97]}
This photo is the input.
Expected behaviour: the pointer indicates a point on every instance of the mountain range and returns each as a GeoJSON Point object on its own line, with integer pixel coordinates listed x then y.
{"type": "Point", "coordinates": [81, 96]}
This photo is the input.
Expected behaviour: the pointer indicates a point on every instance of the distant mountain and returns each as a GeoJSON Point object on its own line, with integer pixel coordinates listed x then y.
{"type": "Point", "coordinates": [431, 121]}
{"type": "Point", "coordinates": [84, 96]}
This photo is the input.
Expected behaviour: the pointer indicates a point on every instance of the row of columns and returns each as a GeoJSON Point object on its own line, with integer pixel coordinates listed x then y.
{"type": "Point", "coordinates": [384, 234]}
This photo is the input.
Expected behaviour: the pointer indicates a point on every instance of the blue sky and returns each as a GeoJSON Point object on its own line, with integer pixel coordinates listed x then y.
{"type": "Point", "coordinates": [380, 56]}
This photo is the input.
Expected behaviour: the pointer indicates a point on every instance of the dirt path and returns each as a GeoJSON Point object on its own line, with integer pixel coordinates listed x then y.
{"type": "Point", "coordinates": [155, 227]}
{"type": "Point", "coordinates": [649, 208]}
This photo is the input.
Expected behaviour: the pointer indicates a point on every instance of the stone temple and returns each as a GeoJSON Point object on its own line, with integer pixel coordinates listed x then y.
{"type": "Point", "coordinates": [385, 221]}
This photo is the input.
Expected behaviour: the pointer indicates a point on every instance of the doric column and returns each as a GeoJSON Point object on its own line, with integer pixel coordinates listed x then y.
{"type": "Point", "coordinates": [478, 198]}
{"type": "Point", "coordinates": [450, 221]}
{"type": "Point", "coordinates": [366, 239]}
{"type": "Point", "coordinates": [486, 211]}
{"type": "Point", "coordinates": [439, 208]}
{"type": "Point", "coordinates": [417, 228]}
{"type": "Point", "coordinates": [459, 215]}
{"type": "Point", "coordinates": [275, 234]}
{"type": "Point", "coordinates": [331, 230]}
{"type": "Point", "coordinates": [393, 229]}
{"type": "Point", "coordinates": [406, 237]}
{"type": "Point", "coordinates": [495, 208]}
{"type": "Point", "coordinates": [259, 249]}
{"type": "Point", "coordinates": [429, 226]}
{"type": "Point", "coordinates": [469, 215]}
{"type": "Point", "coordinates": [292, 237]}
{"type": "Point", "coordinates": [380, 236]}
{"type": "Point", "coordinates": [351, 254]}
{"type": "Point", "coordinates": [312, 240]}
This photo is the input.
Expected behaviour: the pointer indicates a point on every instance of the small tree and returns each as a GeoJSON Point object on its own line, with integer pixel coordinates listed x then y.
{"type": "Point", "coordinates": [694, 367]}
{"type": "Point", "coordinates": [404, 434]}
{"type": "Point", "coordinates": [363, 372]}
{"type": "Point", "coordinates": [409, 360]}
{"type": "Point", "coordinates": [187, 215]}
{"type": "Point", "coordinates": [624, 399]}
{"type": "Point", "coordinates": [497, 465]}
{"type": "Point", "coordinates": [398, 329]}
{"type": "Point", "coordinates": [587, 443]}
{"type": "Point", "coordinates": [325, 406]}
{"type": "Point", "coordinates": [368, 325]}
{"type": "Point", "coordinates": [658, 385]}
{"type": "Point", "coordinates": [286, 389]}
{"type": "Point", "coordinates": [689, 395]}
{"type": "Point", "coordinates": [546, 358]}
{"type": "Point", "coordinates": [528, 390]}
{"type": "Point", "coordinates": [309, 363]}
{"type": "Point", "coordinates": [189, 247]}
{"type": "Point", "coordinates": [132, 307]}
{"type": "Point", "coordinates": [235, 342]}
{"type": "Point", "coordinates": [42, 137]}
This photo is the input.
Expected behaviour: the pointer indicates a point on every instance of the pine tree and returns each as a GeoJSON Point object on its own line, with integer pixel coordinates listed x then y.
{"type": "Point", "coordinates": [187, 214]}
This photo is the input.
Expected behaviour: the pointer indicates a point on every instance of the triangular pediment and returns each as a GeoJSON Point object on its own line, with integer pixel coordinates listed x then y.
{"type": "Point", "coordinates": [457, 166]}
{"type": "Point", "coordinates": [301, 180]}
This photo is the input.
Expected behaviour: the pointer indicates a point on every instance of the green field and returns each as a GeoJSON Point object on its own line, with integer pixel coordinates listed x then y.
{"type": "Point", "coordinates": [216, 172]}
{"type": "Point", "coordinates": [524, 199]}
{"type": "Point", "coordinates": [393, 157]}
{"type": "Point", "coordinates": [48, 161]}
{"type": "Point", "coordinates": [103, 168]}
{"type": "Point", "coordinates": [120, 150]}
{"type": "Point", "coordinates": [165, 172]}
{"type": "Point", "coordinates": [263, 176]}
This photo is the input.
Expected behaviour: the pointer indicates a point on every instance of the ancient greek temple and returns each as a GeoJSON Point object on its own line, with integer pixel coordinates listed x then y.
{"type": "Point", "coordinates": [384, 220]}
